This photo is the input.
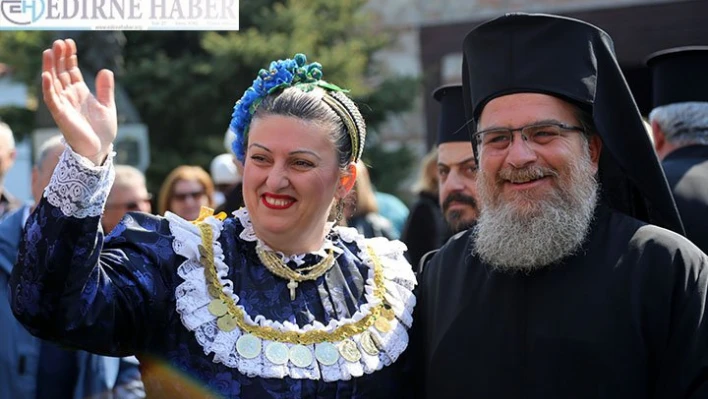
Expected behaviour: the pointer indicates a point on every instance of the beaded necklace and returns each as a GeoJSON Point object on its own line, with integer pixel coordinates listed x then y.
{"type": "Point", "coordinates": [275, 265]}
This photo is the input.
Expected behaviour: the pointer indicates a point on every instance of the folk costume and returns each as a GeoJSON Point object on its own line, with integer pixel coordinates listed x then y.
{"type": "Point", "coordinates": [623, 317]}
{"type": "Point", "coordinates": [679, 76]}
{"type": "Point", "coordinates": [209, 309]}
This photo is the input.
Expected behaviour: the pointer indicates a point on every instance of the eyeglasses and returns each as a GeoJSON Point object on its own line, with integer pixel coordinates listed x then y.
{"type": "Point", "coordinates": [183, 196]}
{"type": "Point", "coordinates": [499, 139]}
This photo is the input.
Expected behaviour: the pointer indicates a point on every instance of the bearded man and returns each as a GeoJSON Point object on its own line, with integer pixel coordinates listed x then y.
{"type": "Point", "coordinates": [457, 168]}
{"type": "Point", "coordinates": [433, 220]}
{"type": "Point", "coordinates": [573, 283]}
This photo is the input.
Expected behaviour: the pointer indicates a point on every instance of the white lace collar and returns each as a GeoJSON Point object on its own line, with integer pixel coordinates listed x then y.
{"type": "Point", "coordinates": [248, 234]}
{"type": "Point", "coordinates": [374, 349]}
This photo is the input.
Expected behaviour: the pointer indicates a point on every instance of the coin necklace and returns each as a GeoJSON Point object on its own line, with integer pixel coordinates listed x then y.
{"type": "Point", "coordinates": [275, 265]}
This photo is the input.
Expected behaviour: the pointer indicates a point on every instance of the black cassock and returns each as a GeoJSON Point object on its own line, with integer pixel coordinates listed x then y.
{"type": "Point", "coordinates": [425, 228]}
{"type": "Point", "coordinates": [687, 172]}
{"type": "Point", "coordinates": [624, 318]}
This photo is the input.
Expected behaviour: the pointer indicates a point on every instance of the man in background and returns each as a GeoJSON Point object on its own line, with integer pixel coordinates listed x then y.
{"type": "Point", "coordinates": [8, 153]}
{"type": "Point", "coordinates": [454, 209]}
{"type": "Point", "coordinates": [457, 168]}
{"type": "Point", "coordinates": [679, 122]}
{"type": "Point", "coordinates": [128, 194]}
{"type": "Point", "coordinates": [36, 369]}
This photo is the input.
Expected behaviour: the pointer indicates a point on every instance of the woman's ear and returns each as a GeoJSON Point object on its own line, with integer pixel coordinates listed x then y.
{"type": "Point", "coordinates": [346, 181]}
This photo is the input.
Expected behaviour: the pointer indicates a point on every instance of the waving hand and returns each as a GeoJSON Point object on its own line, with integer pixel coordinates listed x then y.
{"type": "Point", "coordinates": [87, 122]}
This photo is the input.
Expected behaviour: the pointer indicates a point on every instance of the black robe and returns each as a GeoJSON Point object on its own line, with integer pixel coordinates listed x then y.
{"type": "Point", "coordinates": [625, 318]}
{"type": "Point", "coordinates": [687, 172]}
{"type": "Point", "coordinates": [425, 229]}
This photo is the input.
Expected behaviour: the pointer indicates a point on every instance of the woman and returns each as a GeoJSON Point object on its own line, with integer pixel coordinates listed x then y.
{"type": "Point", "coordinates": [185, 191]}
{"type": "Point", "coordinates": [425, 228]}
{"type": "Point", "coordinates": [272, 302]}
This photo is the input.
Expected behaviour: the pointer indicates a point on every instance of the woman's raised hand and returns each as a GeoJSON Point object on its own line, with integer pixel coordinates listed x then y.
{"type": "Point", "coordinates": [88, 123]}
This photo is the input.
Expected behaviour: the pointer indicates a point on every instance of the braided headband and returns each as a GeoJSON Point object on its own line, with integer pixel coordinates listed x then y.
{"type": "Point", "coordinates": [356, 130]}
{"type": "Point", "coordinates": [295, 73]}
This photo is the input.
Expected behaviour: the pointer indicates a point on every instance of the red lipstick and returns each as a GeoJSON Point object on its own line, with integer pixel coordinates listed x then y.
{"type": "Point", "coordinates": [275, 201]}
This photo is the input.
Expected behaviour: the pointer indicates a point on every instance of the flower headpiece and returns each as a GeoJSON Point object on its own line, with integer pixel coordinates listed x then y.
{"type": "Point", "coordinates": [288, 73]}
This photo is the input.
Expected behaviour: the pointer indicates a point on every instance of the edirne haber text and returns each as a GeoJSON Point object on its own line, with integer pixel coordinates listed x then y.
{"type": "Point", "coordinates": [135, 9]}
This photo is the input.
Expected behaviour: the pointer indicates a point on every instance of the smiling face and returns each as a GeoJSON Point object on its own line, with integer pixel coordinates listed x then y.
{"type": "Point", "coordinates": [290, 178]}
{"type": "Point", "coordinates": [527, 172]}
{"type": "Point", "coordinates": [538, 198]}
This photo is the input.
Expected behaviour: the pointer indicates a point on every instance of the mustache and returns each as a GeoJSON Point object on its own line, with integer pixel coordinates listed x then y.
{"type": "Point", "coordinates": [526, 174]}
{"type": "Point", "coordinates": [459, 197]}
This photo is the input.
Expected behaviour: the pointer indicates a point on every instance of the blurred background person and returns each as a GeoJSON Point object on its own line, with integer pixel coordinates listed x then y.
{"type": "Point", "coordinates": [679, 122]}
{"type": "Point", "coordinates": [7, 158]}
{"type": "Point", "coordinates": [227, 179]}
{"type": "Point", "coordinates": [128, 194]}
{"type": "Point", "coordinates": [361, 210]}
{"type": "Point", "coordinates": [425, 228]}
{"type": "Point", "coordinates": [185, 190]}
{"type": "Point", "coordinates": [36, 369]}
{"type": "Point", "coordinates": [393, 209]}
{"type": "Point", "coordinates": [457, 168]}
{"type": "Point", "coordinates": [234, 198]}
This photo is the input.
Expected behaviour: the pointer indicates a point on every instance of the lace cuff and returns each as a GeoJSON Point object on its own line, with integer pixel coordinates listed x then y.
{"type": "Point", "coordinates": [78, 187]}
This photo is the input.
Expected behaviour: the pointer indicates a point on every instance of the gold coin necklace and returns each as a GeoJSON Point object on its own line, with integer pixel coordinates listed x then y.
{"type": "Point", "coordinates": [275, 265]}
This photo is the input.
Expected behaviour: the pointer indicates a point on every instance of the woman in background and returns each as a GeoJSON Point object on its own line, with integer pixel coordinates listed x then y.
{"type": "Point", "coordinates": [185, 191]}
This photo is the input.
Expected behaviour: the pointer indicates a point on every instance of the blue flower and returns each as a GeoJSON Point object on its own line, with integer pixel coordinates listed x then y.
{"type": "Point", "coordinates": [279, 75]}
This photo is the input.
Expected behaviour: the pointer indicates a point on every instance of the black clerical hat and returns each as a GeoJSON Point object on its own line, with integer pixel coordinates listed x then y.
{"type": "Point", "coordinates": [574, 61]}
{"type": "Point", "coordinates": [679, 75]}
{"type": "Point", "coordinates": [451, 123]}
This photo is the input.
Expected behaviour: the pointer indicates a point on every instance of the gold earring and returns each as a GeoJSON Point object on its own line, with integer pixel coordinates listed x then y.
{"type": "Point", "coordinates": [340, 211]}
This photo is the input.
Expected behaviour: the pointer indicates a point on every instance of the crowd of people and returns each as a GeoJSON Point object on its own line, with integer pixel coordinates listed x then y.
{"type": "Point", "coordinates": [553, 250]}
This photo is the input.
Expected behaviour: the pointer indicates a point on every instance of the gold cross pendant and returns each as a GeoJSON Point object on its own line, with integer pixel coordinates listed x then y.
{"type": "Point", "coordinates": [292, 285]}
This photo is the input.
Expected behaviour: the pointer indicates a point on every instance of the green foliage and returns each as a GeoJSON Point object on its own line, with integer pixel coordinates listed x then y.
{"type": "Point", "coordinates": [21, 121]}
{"type": "Point", "coordinates": [184, 84]}
{"type": "Point", "coordinates": [394, 95]}
{"type": "Point", "coordinates": [22, 50]}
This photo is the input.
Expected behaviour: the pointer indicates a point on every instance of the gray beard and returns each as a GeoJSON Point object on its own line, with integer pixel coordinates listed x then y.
{"type": "Point", "coordinates": [526, 237]}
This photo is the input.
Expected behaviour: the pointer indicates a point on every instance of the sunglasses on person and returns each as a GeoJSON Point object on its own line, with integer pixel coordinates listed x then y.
{"type": "Point", "coordinates": [195, 195]}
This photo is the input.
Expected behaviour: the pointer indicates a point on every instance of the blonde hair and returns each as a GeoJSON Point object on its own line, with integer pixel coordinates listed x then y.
{"type": "Point", "coordinates": [428, 174]}
{"type": "Point", "coordinates": [184, 172]}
